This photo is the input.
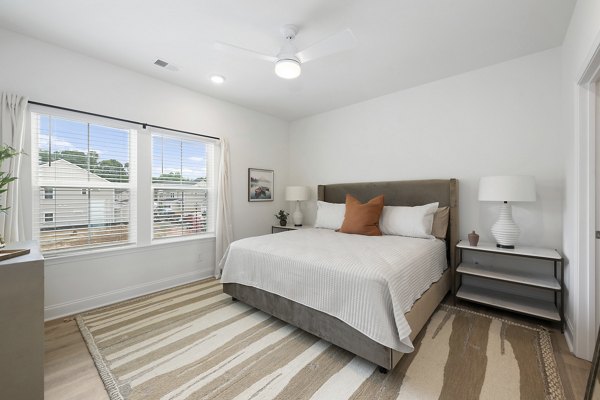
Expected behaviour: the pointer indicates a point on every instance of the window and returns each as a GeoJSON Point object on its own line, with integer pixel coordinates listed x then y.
{"type": "Point", "coordinates": [182, 185]}
{"type": "Point", "coordinates": [86, 193]}
{"type": "Point", "coordinates": [82, 174]}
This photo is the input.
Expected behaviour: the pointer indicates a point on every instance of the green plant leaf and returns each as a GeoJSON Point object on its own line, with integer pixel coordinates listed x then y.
{"type": "Point", "coordinates": [6, 153]}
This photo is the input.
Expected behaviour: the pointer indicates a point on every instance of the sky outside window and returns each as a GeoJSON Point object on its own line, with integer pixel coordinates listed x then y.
{"type": "Point", "coordinates": [177, 161]}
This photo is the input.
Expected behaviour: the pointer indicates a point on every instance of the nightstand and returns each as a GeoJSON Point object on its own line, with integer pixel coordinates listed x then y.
{"type": "Point", "coordinates": [528, 277]}
{"type": "Point", "coordinates": [279, 228]}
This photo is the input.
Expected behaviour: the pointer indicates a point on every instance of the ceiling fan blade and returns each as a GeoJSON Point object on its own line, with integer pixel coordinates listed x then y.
{"type": "Point", "coordinates": [229, 48]}
{"type": "Point", "coordinates": [336, 43]}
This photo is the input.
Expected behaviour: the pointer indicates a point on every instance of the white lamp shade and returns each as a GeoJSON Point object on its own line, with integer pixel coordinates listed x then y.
{"type": "Point", "coordinates": [297, 193]}
{"type": "Point", "coordinates": [507, 188]}
{"type": "Point", "coordinates": [288, 69]}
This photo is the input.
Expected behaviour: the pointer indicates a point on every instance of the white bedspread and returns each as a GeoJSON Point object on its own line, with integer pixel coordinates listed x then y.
{"type": "Point", "coordinates": [367, 282]}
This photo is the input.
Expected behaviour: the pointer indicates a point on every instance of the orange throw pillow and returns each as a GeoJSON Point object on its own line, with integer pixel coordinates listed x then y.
{"type": "Point", "coordinates": [362, 219]}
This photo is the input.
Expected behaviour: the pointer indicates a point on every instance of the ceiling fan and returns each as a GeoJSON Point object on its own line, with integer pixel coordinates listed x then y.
{"type": "Point", "coordinates": [288, 61]}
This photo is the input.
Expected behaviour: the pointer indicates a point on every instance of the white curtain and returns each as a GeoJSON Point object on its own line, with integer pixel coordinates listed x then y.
{"type": "Point", "coordinates": [12, 132]}
{"type": "Point", "coordinates": [224, 230]}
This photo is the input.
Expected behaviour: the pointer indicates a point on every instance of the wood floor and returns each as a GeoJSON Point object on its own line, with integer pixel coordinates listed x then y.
{"type": "Point", "coordinates": [69, 372]}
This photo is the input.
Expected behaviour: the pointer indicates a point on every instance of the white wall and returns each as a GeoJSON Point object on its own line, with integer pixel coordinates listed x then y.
{"type": "Point", "coordinates": [579, 41]}
{"type": "Point", "coordinates": [53, 75]}
{"type": "Point", "coordinates": [503, 119]}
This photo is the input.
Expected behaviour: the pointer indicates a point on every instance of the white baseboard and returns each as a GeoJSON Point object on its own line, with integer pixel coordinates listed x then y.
{"type": "Point", "coordinates": [569, 333]}
{"type": "Point", "coordinates": [76, 306]}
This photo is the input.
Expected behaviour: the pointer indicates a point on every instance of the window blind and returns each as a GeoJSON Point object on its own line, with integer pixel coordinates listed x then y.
{"type": "Point", "coordinates": [84, 181]}
{"type": "Point", "coordinates": [182, 185]}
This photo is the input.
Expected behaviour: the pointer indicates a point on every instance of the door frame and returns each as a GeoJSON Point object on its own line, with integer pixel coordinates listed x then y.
{"type": "Point", "coordinates": [583, 333]}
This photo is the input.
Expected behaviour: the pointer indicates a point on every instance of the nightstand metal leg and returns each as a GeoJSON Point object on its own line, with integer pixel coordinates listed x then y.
{"type": "Point", "coordinates": [457, 262]}
{"type": "Point", "coordinates": [555, 294]}
{"type": "Point", "coordinates": [562, 295]}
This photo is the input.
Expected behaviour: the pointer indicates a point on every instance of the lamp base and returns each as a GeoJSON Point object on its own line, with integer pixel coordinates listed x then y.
{"type": "Point", "coordinates": [297, 215]}
{"type": "Point", "coordinates": [505, 231]}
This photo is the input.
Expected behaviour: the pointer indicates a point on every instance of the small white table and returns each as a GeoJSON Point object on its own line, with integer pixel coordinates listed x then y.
{"type": "Point", "coordinates": [553, 311]}
{"type": "Point", "coordinates": [279, 228]}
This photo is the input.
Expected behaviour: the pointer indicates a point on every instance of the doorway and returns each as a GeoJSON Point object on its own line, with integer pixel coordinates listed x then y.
{"type": "Point", "coordinates": [597, 179]}
{"type": "Point", "coordinates": [584, 296]}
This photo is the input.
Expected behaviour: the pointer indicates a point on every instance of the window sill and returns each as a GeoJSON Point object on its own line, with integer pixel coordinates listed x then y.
{"type": "Point", "coordinates": [121, 250]}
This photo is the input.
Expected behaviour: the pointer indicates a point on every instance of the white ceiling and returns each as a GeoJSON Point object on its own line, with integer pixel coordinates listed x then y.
{"type": "Point", "coordinates": [400, 43]}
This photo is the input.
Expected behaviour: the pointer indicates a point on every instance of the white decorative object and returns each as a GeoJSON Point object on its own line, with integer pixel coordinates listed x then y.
{"type": "Point", "coordinates": [297, 194]}
{"type": "Point", "coordinates": [506, 188]}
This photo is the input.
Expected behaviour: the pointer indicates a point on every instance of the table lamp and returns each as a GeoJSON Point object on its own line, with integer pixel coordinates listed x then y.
{"type": "Point", "coordinates": [505, 189]}
{"type": "Point", "coordinates": [297, 194]}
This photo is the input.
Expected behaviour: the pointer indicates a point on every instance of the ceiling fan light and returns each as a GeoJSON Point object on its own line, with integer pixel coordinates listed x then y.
{"type": "Point", "coordinates": [287, 69]}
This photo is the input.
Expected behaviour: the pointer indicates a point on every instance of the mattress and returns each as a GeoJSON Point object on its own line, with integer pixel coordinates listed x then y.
{"type": "Point", "coordinates": [367, 282]}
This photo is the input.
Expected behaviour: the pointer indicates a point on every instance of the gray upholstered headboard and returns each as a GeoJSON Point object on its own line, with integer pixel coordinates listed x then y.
{"type": "Point", "coordinates": [404, 193]}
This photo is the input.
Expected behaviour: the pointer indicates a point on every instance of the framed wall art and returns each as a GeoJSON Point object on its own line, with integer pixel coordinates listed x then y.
{"type": "Point", "coordinates": [260, 184]}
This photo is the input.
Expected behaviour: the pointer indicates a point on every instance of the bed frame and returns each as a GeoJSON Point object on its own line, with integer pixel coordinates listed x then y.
{"type": "Point", "coordinates": [327, 327]}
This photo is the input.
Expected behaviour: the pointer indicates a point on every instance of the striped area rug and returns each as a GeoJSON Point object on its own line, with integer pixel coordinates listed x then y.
{"type": "Point", "coordinates": [194, 342]}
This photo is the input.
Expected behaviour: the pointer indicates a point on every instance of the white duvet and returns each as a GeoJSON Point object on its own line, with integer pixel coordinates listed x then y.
{"type": "Point", "coordinates": [367, 282]}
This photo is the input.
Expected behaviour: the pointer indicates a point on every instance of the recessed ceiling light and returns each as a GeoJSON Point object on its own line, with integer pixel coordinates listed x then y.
{"type": "Point", "coordinates": [217, 79]}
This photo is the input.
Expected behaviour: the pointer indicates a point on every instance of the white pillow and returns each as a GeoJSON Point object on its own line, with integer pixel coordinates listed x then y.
{"type": "Point", "coordinates": [408, 221]}
{"type": "Point", "coordinates": [330, 215]}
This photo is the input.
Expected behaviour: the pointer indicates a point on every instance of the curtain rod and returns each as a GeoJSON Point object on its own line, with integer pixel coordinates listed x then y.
{"type": "Point", "coordinates": [143, 124]}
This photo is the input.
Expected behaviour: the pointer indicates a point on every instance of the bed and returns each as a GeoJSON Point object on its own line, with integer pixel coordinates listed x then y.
{"type": "Point", "coordinates": [338, 330]}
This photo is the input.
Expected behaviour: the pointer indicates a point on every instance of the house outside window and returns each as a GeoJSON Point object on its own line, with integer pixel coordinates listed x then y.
{"type": "Point", "coordinates": [78, 165]}
{"type": "Point", "coordinates": [182, 183]}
